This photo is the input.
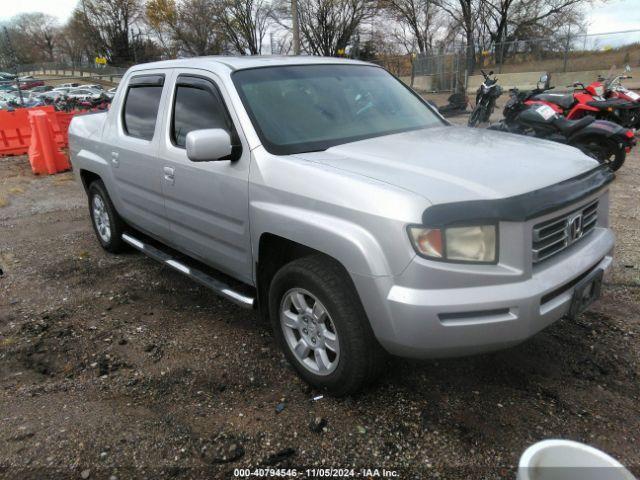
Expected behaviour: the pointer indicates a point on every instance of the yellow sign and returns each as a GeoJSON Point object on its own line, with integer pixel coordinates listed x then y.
{"type": "Point", "coordinates": [100, 60]}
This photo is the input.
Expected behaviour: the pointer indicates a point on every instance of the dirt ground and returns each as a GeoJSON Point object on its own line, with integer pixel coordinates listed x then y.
{"type": "Point", "coordinates": [115, 367]}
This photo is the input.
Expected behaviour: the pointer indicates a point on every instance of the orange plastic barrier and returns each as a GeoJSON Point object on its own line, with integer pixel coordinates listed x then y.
{"type": "Point", "coordinates": [15, 129]}
{"type": "Point", "coordinates": [62, 124]}
{"type": "Point", "coordinates": [44, 153]}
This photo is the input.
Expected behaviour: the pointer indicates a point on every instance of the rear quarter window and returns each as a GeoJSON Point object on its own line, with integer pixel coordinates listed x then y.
{"type": "Point", "coordinates": [140, 111]}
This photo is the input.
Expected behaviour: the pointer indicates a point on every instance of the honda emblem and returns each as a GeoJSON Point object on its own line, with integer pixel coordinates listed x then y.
{"type": "Point", "coordinates": [574, 227]}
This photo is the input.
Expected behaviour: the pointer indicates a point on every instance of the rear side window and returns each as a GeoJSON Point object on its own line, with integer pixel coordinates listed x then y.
{"type": "Point", "coordinates": [141, 105]}
{"type": "Point", "coordinates": [197, 106]}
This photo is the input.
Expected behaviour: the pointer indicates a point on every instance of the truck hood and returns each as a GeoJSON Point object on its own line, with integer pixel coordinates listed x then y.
{"type": "Point", "coordinates": [451, 164]}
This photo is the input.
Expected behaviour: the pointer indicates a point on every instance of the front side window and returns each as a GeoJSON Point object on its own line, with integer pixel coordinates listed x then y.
{"type": "Point", "coordinates": [314, 107]}
{"type": "Point", "coordinates": [197, 106]}
{"type": "Point", "coordinates": [141, 106]}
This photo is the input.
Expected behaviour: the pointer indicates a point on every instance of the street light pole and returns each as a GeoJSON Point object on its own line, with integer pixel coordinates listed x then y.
{"type": "Point", "coordinates": [296, 27]}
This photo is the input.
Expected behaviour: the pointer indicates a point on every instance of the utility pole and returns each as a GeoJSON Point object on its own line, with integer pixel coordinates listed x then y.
{"type": "Point", "coordinates": [133, 46]}
{"type": "Point", "coordinates": [14, 59]}
{"type": "Point", "coordinates": [296, 27]}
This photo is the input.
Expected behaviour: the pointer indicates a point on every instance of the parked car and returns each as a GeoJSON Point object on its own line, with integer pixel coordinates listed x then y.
{"type": "Point", "coordinates": [28, 82]}
{"type": "Point", "coordinates": [41, 89]}
{"type": "Point", "coordinates": [8, 88]}
{"type": "Point", "coordinates": [6, 100]}
{"type": "Point", "coordinates": [334, 199]}
{"type": "Point", "coordinates": [52, 94]}
{"type": "Point", "coordinates": [7, 76]}
{"type": "Point", "coordinates": [68, 85]}
{"type": "Point", "coordinates": [94, 86]}
{"type": "Point", "coordinates": [84, 94]}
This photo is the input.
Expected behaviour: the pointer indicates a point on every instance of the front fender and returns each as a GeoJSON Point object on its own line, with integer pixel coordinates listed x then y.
{"type": "Point", "coordinates": [349, 243]}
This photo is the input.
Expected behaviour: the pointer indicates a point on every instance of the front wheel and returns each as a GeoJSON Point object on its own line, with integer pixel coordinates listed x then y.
{"type": "Point", "coordinates": [321, 326]}
{"type": "Point", "coordinates": [477, 115]}
{"type": "Point", "coordinates": [606, 151]}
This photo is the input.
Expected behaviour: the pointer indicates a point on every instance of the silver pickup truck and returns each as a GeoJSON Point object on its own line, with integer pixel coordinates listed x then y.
{"type": "Point", "coordinates": [333, 198]}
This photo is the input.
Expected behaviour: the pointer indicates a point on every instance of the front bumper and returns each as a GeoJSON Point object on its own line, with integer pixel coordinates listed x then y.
{"type": "Point", "coordinates": [441, 322]}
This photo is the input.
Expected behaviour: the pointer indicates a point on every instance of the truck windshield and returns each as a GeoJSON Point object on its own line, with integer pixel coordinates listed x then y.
{"type": "Point", "coordinates": [314, 107]}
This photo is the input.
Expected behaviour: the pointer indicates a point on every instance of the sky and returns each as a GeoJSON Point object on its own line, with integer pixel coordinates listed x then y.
{"type": "Point", "coordinates": [614, 16]}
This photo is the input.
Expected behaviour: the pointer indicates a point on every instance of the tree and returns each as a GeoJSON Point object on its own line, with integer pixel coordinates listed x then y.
{"type": "Point", "coordinates": [509, 19]}
{"type": "Point", "coordinates": [40, 30]}
{"type": "Point", "coordinates": [74, 41]}
{"type": "Point", "coordinates": [415, 19]}
{"type": "Point", "coordinates": [464, 15]}
{"type": "Point", "coordinates": [108, 24]}
{"type": "Point", "coordinates": [327, 26]}
{"type": "Point", "coordinates": [245, 24]}
{"type": "Point", "coordinates": [187, 27]}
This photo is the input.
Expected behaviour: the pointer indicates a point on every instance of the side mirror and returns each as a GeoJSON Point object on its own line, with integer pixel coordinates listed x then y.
{"type": "Point", "coordinates": [208, 145]}
{"type": "Point", "coordinates": [544, 78]}
{"type": "Point", "coordinates": [627, 68]}
{"type": "Point", "coordinates": [491, 72]}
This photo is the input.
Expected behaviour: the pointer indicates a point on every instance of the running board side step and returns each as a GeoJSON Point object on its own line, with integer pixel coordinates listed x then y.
{"type": "Point", "coordinates": [218, 286]}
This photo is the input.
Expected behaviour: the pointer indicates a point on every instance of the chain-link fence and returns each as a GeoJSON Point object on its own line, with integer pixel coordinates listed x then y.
{"type": "Point", "coordinates": [449, 68]}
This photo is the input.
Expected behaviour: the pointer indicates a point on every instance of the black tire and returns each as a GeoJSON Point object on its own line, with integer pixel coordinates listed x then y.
{"type": "Point", "coordinates": [361, 356]}
{"type": "Point", "coordinates": [114, 242]}
{"type": "Point", "coordinates": [605, 151]}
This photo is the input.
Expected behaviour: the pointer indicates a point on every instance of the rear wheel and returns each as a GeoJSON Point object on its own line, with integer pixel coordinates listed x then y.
{"type": "Point", "coordinates": [321, 326]}
{"type": "Point", "coordinates": [605, 151]}
{"type": "Point", "coordinates": [107, 224]}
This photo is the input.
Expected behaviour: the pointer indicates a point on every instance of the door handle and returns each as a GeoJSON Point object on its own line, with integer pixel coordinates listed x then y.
{"type": "Point", "coordinates": [169, 174]}
{"type": "Point", "coordinates": [114, 159]}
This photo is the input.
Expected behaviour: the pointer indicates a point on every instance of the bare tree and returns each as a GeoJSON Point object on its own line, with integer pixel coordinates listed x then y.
{"type": "Point", "coordinates": [108, 24]}
{"type": "Point", "coordinates": [245, 23]}
{"type": "Point", "coordinates": [327, 26]}
{"type": "Point", "coordinates": [509, 19]}
{"type": "Point", "coordinates": [41, 30]}
{"type": "Point", "coordinates": [74, 43]}
{"type": "Point", "coordinates": [415, 17]}
{"type": "Point", "coordinates": [188, 27]}
{"type": "Point", "coordinates": [464, 15]}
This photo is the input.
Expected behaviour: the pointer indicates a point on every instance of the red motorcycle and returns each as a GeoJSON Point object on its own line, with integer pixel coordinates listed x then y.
{"type": "Point", "coordinates": [613, 88]}
{"type": "Point", "coordinates": [588, 100]}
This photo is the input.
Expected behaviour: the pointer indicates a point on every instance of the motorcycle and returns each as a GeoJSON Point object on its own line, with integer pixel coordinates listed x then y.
{"type": "Point", "coordinates": [486, 97]}
{"type": "Point", "coordinates": [589, 100]}
{"type": "Point", "coordinates": [457, 104]}
{"type": "Point", "coordinates": [613, 88]}
{"type": "Point", "coordinates": [602, 140]}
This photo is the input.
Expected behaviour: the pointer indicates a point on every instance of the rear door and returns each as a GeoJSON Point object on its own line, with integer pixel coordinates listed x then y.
{"type": "Point", "coordinates": [133, 140]}
{"type": "Point", "coordinates": [207, 203]}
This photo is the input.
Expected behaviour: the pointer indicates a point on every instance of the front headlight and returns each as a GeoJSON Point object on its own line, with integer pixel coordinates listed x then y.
{"type": "Point", "coordinates": [458, 244]}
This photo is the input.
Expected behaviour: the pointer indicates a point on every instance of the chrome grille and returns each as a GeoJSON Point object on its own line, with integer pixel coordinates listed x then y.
{"type": "Point", "coordinates": [555, 235]}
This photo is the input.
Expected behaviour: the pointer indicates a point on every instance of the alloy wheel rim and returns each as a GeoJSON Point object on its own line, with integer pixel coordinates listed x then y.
{"type": "Point", "coordinates": [101, 218]}
{"type": "Point", "coordinates": [309, 331]}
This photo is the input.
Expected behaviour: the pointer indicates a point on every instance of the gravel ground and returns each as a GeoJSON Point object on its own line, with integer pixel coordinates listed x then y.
{"type": "Point", "coordinates": [115, 367]}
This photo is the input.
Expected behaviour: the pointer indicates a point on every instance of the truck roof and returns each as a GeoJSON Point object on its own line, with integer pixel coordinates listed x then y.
{"type": "Point", "coordinates": [246, 61]}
